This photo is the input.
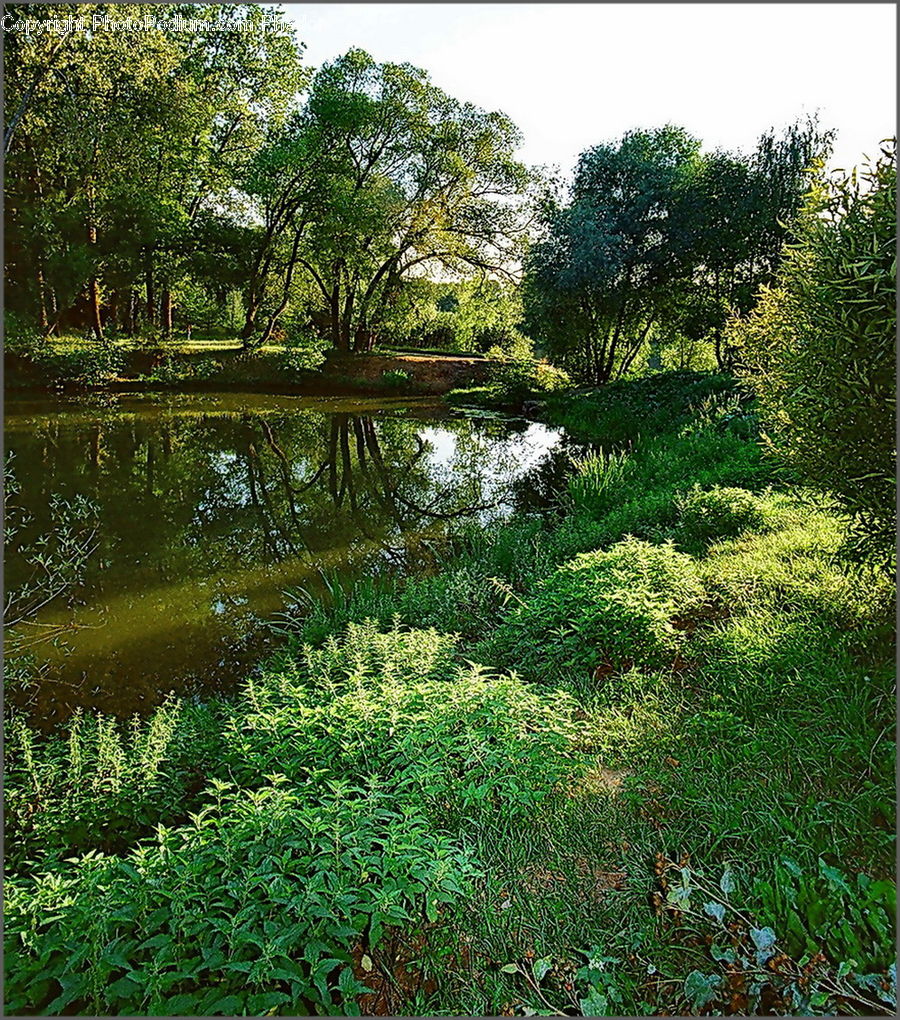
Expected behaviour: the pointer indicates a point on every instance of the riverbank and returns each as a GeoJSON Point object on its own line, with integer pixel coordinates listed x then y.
{"type": "Point", "coordinates": [78, 365]}
{"type": "Point", "coordinates": [669, 788]}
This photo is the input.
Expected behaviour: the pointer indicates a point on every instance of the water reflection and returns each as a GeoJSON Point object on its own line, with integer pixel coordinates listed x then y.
{"type": "Point", "coordinates": [210, 506]}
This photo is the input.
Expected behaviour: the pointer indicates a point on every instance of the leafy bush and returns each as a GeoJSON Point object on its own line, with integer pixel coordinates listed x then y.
{"type": "Point", "coordinates": [792, 568]}
{"type": "Point", "coordinates": [103, 785]}
{"type": "Point", "coordinates": [84, 362]}
{"type": "Point", "coordinates": [657, 404]}
{"type": "Point", "coordinates": [254, 906]}
{"type": "Point", "coordinates": [820, 349]}
{"type": "Point", "coordinates": [514, 381]}
{"type": "Point", "coordinates": [173, 370]}
{"type": "Point", "coordinates": [396, 379]}
{"type": "Point", "coordinates": [717, 513]}
{"type": "Point", "coordinates": [395, 705]}
{"type": "Point", "coordinates": [603, 609]}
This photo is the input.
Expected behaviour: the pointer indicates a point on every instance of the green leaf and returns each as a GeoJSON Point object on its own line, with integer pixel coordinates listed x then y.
{"type": "Point", "coordinates": [542, 967]}
{"type": "Point", "coordinates": [700, 989]}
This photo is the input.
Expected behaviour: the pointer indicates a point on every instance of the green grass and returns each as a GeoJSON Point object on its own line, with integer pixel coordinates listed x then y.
{"type": "Point", "coordinates": [543, 779]}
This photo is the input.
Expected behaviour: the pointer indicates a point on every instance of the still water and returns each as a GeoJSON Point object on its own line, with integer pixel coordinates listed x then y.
{"type": "Point", "coordinates": [199, 511]}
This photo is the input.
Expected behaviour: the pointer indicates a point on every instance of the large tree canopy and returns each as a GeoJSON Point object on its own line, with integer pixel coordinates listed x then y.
{"type": "Point", "coordinates": [659, 238]}
{"type": "Point", "coordinates": [117, 140]}
{"type": "Point", "coordinates": [380, 173]}
{"type": "Point", "coordinates": [600, 278]}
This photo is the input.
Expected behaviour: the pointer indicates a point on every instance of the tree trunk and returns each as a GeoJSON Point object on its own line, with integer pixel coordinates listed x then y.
{"type": "Point", "coordinates": [151, 292]}
{"type": "Point", "coordinates": [166, 310]}
{"type": "Point", "coordinates": [93, 283]}
{"type": "Point", "coordinates": [249, 319]}
{"type": "Point", "coordinates": [42, 299]}
{"type": "Point", "coordinates": [128, 312]}
{"type": "Point", "coordinates": [336, 332]}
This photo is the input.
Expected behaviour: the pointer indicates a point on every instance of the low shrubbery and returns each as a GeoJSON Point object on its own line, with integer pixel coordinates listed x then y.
{"type": "Point", "coordinates": [704, 516]}
{"type": "Point", "coordinates": [602, 611]}
{"type": "Point", "coordinates": [78, 360]}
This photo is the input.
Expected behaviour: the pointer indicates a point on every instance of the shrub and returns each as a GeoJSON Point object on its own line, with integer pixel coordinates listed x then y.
{"type": "Point", "coordinates": [254, 906]}
{"type": "Point", "coordinates": [81, 361]}
{"type": "Point", "coordinates": [602, 609]}
{"type": "Point", "coordinates": [103, 784]}
{"type": "Point", "coordinates": [717, 513]}
{"type": "Point", "coordinates": [339, 803]}
{"type": "Point", "coordinates": [396, 379]}
{"type": "Point", "coordinates": [622, 411]}
{"type": "Point", "coordinates": [397, 705]}
{"type": "Point", "coordinates": [173, 370]}
{"type": "Point", "coordinates": [819, 350]}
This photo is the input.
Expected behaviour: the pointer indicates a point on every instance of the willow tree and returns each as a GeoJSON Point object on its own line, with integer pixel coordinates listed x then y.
{"type": "Point", "coordinates": [378, 176]}
{"type": "Point", "coordinates": [603, 273]}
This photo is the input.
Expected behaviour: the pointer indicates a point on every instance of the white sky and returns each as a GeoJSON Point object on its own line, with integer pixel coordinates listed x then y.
{"type": "Point", "coordinates": [574, 75]}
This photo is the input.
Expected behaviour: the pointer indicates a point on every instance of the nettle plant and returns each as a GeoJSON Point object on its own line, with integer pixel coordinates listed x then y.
{"type": "Point", "coordinates": [348, 781]}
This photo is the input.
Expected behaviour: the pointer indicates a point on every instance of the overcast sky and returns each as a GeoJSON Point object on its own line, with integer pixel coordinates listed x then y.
{"type": "Point", "coordinates": [573, 75]}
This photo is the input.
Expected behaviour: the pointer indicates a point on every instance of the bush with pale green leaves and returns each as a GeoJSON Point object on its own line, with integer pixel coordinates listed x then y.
{"type": "Point", "coordinates": [820, 350]}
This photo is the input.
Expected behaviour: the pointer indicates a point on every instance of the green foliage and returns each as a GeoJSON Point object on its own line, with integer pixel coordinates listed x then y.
{"type": "Point", "coordinates": [469, 316]}
{"type": "Point", "coordinates": [253, 906]}
{"type": "Point", "coordinates": [597, 283]}
{"type": "Point", "coordinates": [396, 379]}
{"type": "Point", "coordinates": [820, 349]}
{"type": "Point", "coordinates": [657, 245]}
{"type": "Point", "coordinates": [67, 360]}
{"type": "Point", "coordinates": [173, 371]}
{"type": "Point", "coordinates": [336, 805]}
{"type": "Point", "coordinates": [717, 513]}
{"type": "Point", "coordinates": [793, 568]}
{"type": "Point", "coordinates": [851, 915]}
{"type": "Point", "coordinates": [642, 407]}
{"type": "Point", "coordinates": [368, 784]}
{"type": "Point", "coordinates": [751, 963]}
{"type": "Point", "coordinates": [98, 210]}
{"type": "Point", "coordinates": [603, 610]}
{"type": "Point", "coordinates": [104, 785]}
{"type": "Point", "coordinates": [334, 188]}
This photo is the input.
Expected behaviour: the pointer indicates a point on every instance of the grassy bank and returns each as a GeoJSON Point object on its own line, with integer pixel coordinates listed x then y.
{"type": "Point", "coordinates": [631, 753]}
{"type": "Point", "coordinates": [78, 363]}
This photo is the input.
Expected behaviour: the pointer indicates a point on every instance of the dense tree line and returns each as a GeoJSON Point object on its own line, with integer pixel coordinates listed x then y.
{"type": "Point", "coordinates": [660, 240]}
{"type": "Point", "coordinates": [150, 169]}
{"type": "Point", "coordinates": [158, 180]}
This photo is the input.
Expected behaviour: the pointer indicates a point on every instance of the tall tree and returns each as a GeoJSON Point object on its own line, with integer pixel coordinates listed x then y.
{"type": "Point", "coordinates": [116, 140]}
{"type": "Point", "coordinates": [602, 275]}
{"type": "Point", "coordinates": [379, 173]}
{"type": "Point", "coordinates": [660, 239]}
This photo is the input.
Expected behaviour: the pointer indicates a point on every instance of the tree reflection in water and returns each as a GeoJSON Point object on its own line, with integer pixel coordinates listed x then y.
{"type": "Point", "coordinates": [211, 507]}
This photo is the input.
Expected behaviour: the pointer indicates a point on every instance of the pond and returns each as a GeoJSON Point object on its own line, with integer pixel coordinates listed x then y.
{"type": "Point", "coordinates": [197, 512]}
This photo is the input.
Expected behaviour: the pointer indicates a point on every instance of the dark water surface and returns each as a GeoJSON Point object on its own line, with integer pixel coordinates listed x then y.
{"type": "Point", "coordinates": [209, 506]}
